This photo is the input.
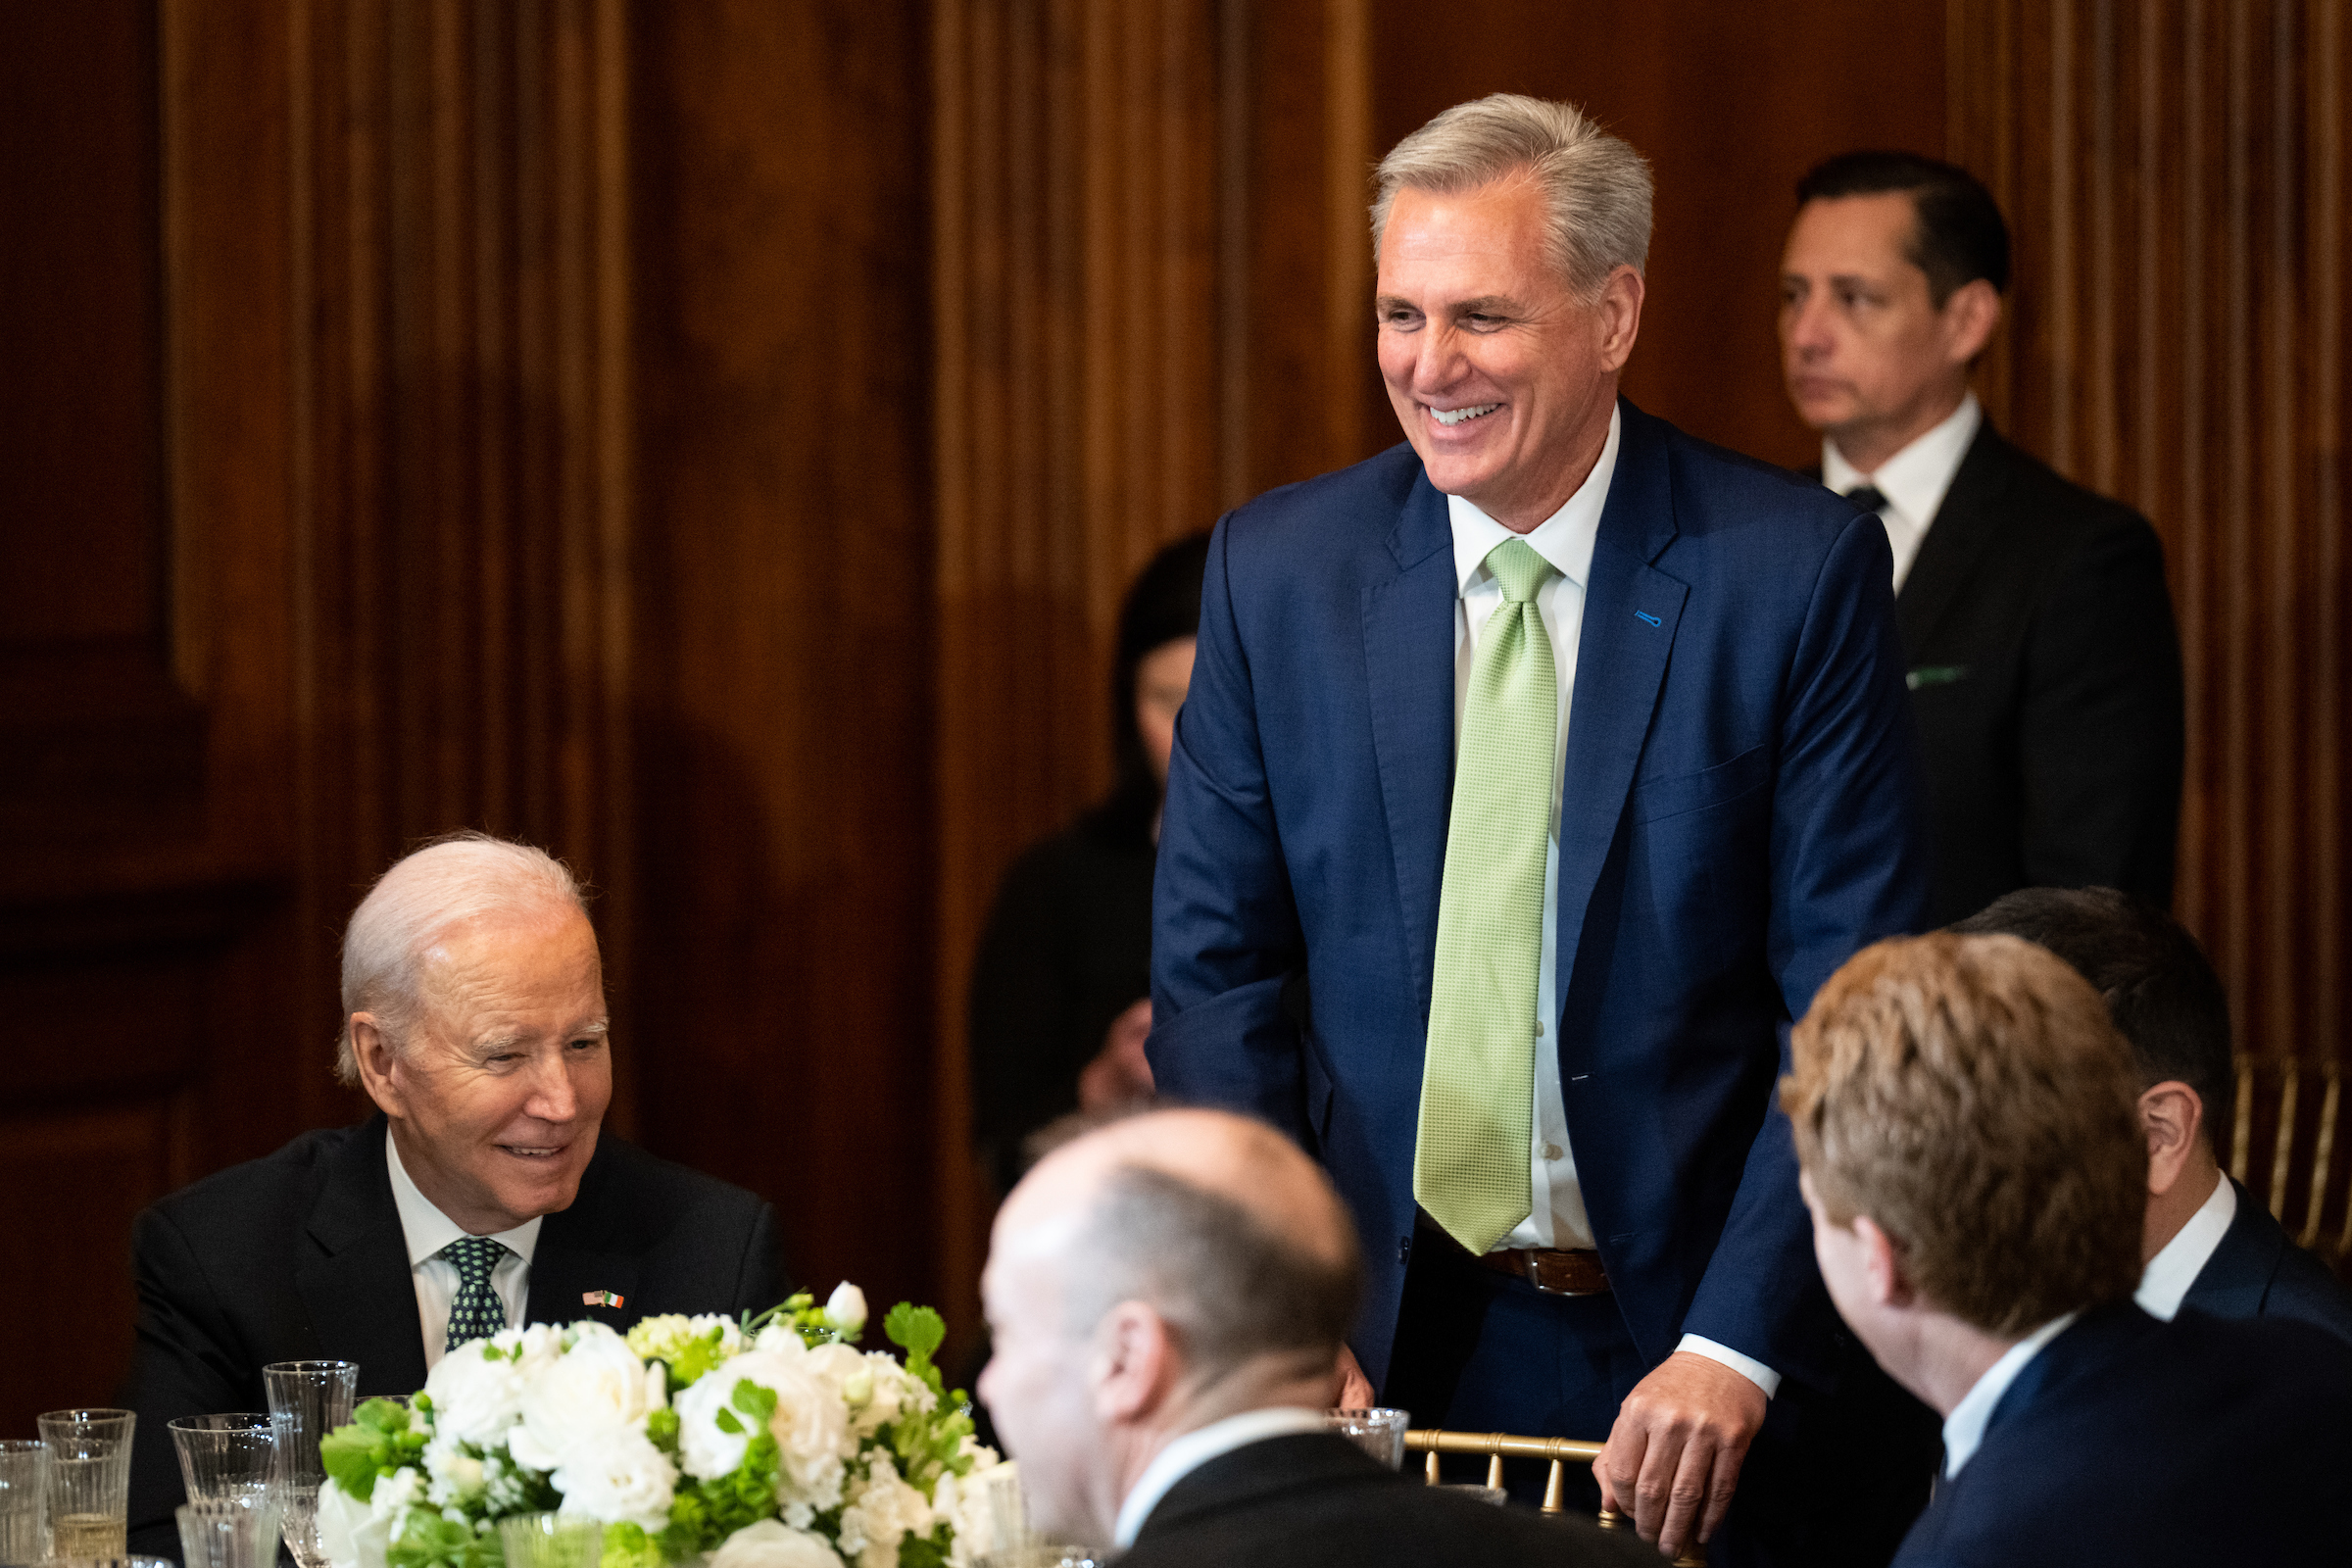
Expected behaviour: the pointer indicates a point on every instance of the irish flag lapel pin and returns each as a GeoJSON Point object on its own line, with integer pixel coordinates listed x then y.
{"type": "Point", "coordinates": [610, 1298]}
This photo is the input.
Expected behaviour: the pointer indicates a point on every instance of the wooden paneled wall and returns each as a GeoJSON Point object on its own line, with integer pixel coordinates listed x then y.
{"type": "Point", "coordinates": [2176, 176]}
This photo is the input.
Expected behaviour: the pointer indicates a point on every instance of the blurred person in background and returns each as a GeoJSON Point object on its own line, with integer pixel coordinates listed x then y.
{"type": "Point", "coordinates": [1061, 998]}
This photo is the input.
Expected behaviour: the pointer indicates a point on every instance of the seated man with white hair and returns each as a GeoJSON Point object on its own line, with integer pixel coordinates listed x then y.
{"type": "Point", "coordinates": [1167, 1297]}
{"type": "Point", "coordinates": [479, 1195]}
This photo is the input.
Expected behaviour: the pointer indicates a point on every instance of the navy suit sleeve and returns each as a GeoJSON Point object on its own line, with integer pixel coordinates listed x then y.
{"type": "Point", "coordinates": [764, 1279]}
{"type": "Point", "coordinates": [1226, 937]}
{"type": "Point", "coordinates": [184, 1362]}
{"type": "Point", "coordinates": [2100, 726]}
{"type": "Point", "coordinates": [1849, 866]}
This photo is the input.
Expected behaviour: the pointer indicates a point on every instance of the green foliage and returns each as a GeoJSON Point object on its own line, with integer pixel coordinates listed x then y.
{"type": "Point", "coordinates": [926, 1552]}
{"type": "Point", "coordinates": [628, 1547]}
{"type": "Point", "coordinates": [661, 1430]}
{"type": "Point", "coordinates": [380, 1440]}
{"type": "Point", "coordinates": [919, 1332]}
{"type": "Point", "coordinates": [429, 1541]}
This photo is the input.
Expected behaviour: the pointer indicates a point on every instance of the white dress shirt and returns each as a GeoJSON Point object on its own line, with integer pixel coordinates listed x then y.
{"type": "Point", "coordinates": [1558, 1218]}
{"type": "Point", "coordinates": [1189, 1452]}
{"type": "Point", "coordinates": [428, 1230]}
{"type": "Point", "coordinates": [1963, 1428]}
{"type": "Point", "coordinates": [1914, 480]}
{"type": "Point", "coordinates": [2164, 1284]}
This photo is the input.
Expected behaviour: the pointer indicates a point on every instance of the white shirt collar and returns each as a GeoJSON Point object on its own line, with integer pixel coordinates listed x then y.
{"type": "Point", "coordinates": [1565, 538]}
{"type": "Point", "coordinates": [2164, 1281]}
{"type": "Point", "coordinates": [1189, 1452]}
{"type": "Point", "coordinates": [1915, 478]}
{"type": "Point", "coordinates": [428, 1230]}
{"type": "Point", "coordinates": [1963, 1428]}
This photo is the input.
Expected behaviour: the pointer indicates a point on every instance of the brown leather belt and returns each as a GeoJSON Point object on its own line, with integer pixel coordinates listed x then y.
{"type": "Point", "coordinates": [1555, 1271]}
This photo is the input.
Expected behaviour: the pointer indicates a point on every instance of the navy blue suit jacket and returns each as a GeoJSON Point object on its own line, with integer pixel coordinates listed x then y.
{"type": "Point", "coordinates": [1742, 812]}
{"type": "Point", "coordinates": [2257, 1272]}
{"type": "Point", "coordinates": [2129, 1441]}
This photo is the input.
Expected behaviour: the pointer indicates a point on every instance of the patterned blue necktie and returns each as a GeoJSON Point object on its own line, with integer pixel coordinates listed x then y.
{"type": "Point", "coordinates": [475, 1312]}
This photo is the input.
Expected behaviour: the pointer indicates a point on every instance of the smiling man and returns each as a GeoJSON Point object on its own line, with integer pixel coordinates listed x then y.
{"type": "Point", "coordinates": [2038, 633]}
{"type": "Point", "coordinates": [481, 1194]}
{"type": "Point", "coordinates": [1533, 775]}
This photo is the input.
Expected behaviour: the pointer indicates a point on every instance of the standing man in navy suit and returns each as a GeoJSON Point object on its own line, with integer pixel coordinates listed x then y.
{"type": "Point", "coordinates": [1965, 1112]}
{"type": "Point", "coordinates": [2208, 1243]}
{"type": "Point", "coordinates": [1534, 775]}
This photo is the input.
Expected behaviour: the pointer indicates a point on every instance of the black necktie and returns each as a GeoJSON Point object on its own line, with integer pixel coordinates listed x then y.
{"type": "Point", "coordinates": [1867, 496]}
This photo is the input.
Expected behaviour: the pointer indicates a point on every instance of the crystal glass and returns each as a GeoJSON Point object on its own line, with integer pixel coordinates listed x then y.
{"type": "Point", "coordinates": [1379, 1431]}
{"type": "Point", "coordinates": [89, 1479]}
{"type": "Point", "coordinates": [308, 1400]}
{"type": "Point", "coordinates": [1042, 1554]}
{"type": "Point", "coordinates": [549, 1541]}
{"type": "Point", "coordinates": [1001, 1538]}
{"type": "Point", "coordinates": [229, 1532]}
{"type": "Point", "coordinates": [110, 1562]}
{"type": "Point", "coordinates": [24, 1505]}
{"type": "Point", "coordinates": [226, 1455]}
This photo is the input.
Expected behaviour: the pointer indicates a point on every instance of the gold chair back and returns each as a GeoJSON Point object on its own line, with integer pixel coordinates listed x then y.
{"type": "Point", "coordinates": [1497, 1445]}
{"type": "Point", "coordinates": [2284, 1149]}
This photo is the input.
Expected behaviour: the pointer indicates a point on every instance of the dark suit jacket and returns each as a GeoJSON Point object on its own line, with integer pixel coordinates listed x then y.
{"type": "Point", "coordinates": [2129, 1441]}
{"type": "Point", "coordinates": [1741, 811]}
{"type": "Point", "coordinates": [2257, 1272]}
{"type": "Point", "coordinates": [1302, 1501]}
{"type": "Point", "coordinates": [300, 1256]}
{"type": "Point", "coordinates": [2046, 678]}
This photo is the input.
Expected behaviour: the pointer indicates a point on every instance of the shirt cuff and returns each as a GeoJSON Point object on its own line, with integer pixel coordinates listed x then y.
{"type": "Point", "coordinates": [1755, 1371]}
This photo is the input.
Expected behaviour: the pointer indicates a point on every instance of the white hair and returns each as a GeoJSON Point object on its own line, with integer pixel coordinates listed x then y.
{"type": "Point", "coordinates": [454, 880]}
{"type": "Point", "coordinates": [1596, 189]}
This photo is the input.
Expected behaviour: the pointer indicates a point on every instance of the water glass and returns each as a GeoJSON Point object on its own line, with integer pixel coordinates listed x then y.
{"type": "Point", "coordinates": [228, 1532]}
{"type": "Point", "coordinates": [1042, 1554]}
{"type": "Point", "coordinates": [89, 1481]}
{"type": "Point", "coordinates": [1379, 1431]}
{"type": "Point", "coordinates": [23, 1507]}
{"type": "Point", "coordinates": [308, 1400]}
{"type": "Point", "coordinates": [548, 1540]}
{"type": "Point", "coordinates": [224, 1457]}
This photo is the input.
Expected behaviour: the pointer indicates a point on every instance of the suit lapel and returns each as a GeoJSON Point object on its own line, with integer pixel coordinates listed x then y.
{"type": "Point", "coordinates": [355, 1284]}
{"type": "Point", "coordinates": [1631, 613]}
{"type": "Point", "coordinates": [1408, 663]}
{"type": "Point", "coordinates": [1963, 529]}
{"type": "Point", "coordinates": [574, 1275]}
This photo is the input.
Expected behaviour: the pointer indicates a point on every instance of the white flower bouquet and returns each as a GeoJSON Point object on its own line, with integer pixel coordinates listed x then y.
{"type": "Point", "coordinates": [770, 1444]}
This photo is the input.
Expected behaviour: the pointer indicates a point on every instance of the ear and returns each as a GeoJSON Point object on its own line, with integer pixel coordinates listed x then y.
{"type": "Point", "coordinates": [1620, 310]}
{"type": "Point", "coordinates": [378, 1063]}
{"type": "Point", "coordinates": [1883, 1264]}
{"type": "Point", "coordinates": [1134, 1364]}
{"type": "Point", "coordinates": [1970, 314]}
{"type": "Point", "coordinates": [2172, 1116]}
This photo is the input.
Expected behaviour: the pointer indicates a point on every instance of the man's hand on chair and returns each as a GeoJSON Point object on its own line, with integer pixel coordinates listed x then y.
{"type": "Point", "coordinates": [1673, 1459]}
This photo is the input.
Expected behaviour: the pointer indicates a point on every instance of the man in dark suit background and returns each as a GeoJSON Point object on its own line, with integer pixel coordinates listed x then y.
{"type": "Point", "coordinates": [480, 1196]}
{"type": "Point", "coordinates": [2037, 634]}
{"type": "Point", "coordinates": [1974, 1163]}
{"type": "Point", "coordinates": [1533, 775]}
{"type": "Point", "coordinates": [1166, 1297]}
{"type": "Point", "coordinates": [2208, 1243]}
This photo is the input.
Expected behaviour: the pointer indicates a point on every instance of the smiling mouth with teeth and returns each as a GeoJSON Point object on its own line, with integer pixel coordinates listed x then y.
{"type": "Point", "coordinates": [528, 1152]}
{"type": "Point", "coordinates": [1454, 416]}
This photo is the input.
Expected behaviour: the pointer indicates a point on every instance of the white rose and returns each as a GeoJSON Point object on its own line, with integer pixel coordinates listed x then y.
{"type": "Point", "coordinates": [884, 1510]}
{"type": "Point", "coordinates": [845, 1309]}
{"type": "Point", "coordinates": [349, 1533]}
{"type": "Point", "coordinates": [474, 1391]}
{"type": "Point", "coordinates": [595, 1389]}
{"type": "Point", "coordinates": [811, 1424]}
{"type": "Point", "coordinates": [770, 1544]}
{"type": "Point", "coordinates": [394, 1494]}
{"type": "Point", "coordinates": [965, 1502]}
{"type": "Point", "coordinates": [456, 1477]}
{"type": "Point", "coordinates": [617, 1477]}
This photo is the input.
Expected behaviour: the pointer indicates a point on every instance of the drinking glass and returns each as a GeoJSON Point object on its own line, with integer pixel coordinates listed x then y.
{"type": "Point", "coordinates": [89, 1479]}
{"type": "Point", "coordinates": [308, 1400]}
{"type": "Point", "coordinates": [226, 1455]}
{"type": "Point", "coordinates": [23, 1507]}
{"type": "Point", "coordinates": [1002, 1538]}
{"type": "Point", "coordinates": [228, 1532]}
{"type": "Point", "coordinates": [1379, 1431]}
{"type": "Point", "coordinates": [548, 1540]}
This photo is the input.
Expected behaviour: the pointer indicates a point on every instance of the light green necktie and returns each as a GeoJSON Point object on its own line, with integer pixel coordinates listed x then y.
{"type": "Point", "coordinates": [1470, 1163]}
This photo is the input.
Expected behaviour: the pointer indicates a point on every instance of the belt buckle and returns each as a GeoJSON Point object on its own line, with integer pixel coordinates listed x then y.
{"type": "Point", "coordinates": [1530, 1269]}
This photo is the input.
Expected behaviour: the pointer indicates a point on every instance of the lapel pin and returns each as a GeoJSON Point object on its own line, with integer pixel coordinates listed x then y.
{"type": "Point", "coordinates": [612, 1298]}
{"type": "Point", "coordinates": [1644, 615]}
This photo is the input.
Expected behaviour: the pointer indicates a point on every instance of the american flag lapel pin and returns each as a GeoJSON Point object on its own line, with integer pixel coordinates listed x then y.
{"type": "Point", "coordinates": [612, 1298]}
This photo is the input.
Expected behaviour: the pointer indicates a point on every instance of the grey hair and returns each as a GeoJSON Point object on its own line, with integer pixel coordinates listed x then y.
{"type": "Point", "coordinates": [1232, 1288]}
{"type": "Point", "coordinates": [453, 880]}
{"type": "Point", "coordinates": [1596, 189]}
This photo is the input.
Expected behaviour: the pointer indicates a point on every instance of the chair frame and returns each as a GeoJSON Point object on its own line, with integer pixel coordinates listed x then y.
{"type": "Point", "coordinates": [1496, 1445]}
